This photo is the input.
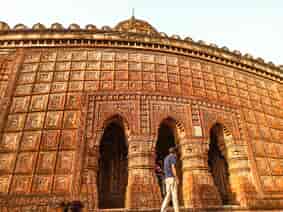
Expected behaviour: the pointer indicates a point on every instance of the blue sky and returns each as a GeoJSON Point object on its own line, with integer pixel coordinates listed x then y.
{"type": "Point", "coordinates": [251, 26]}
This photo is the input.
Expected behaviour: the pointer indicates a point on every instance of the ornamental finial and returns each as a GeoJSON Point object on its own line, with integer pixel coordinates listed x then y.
{"type": "Point", "coordinates": [133, 13]}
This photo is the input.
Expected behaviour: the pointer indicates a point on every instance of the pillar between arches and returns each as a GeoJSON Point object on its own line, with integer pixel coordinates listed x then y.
{"type": "Point", "coordinates": [240, 174]}
{"type": "Point", "coordinates": [142, 189]}
{"type": "Point", "coordinates": [199, 189]}
{"type": "Point", "coordinates": [198, 186]}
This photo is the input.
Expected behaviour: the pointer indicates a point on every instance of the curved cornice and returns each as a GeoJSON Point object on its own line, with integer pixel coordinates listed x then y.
{"type": "Point", "coordinates": [132, 33]}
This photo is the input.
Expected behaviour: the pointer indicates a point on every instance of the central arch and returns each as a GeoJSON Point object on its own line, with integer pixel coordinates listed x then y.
{"type": "Point", "coordinates": [168, 137]}
{"type": "Point", "coordinates": [218, 164]}
{"type": "Point", "coordinates": [113, 165]}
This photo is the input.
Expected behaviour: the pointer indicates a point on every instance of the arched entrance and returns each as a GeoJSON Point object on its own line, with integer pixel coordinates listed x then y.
{"type": "Point", "coordinates": [167, 137]}
{"type": "Point", "coordinates": [217, 163]}
{"type": "Point", "coordinates": [113, 166]}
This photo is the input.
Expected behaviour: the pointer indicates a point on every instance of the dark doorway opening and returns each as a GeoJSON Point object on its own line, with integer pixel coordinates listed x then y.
{"type": "Point", "coordinates": [167, 139]}
{"type": "Point", "coordinates": [218, 165]}
{"type": "Point", "coordinates": [113, 167]}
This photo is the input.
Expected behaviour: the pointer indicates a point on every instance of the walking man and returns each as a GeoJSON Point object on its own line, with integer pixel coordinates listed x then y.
{"type": "Point", "coordinates": [171, 180]}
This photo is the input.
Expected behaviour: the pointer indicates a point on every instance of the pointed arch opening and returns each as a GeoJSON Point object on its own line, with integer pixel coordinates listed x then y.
{"type": "Point", "coordinates": [218, 164]}
{"type": "Point", "coordinates": [113, 165]}
{"type": "Point", "coordinates": [168, 137]}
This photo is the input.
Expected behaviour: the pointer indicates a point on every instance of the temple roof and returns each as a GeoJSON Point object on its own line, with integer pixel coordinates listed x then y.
{"type": "Point", "coordinates": [134, 29]}
{"type": "Point", "coordinates": [136, 26]}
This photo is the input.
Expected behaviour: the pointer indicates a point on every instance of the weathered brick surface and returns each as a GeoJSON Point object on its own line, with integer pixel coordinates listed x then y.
{"type": "Point", "coordinates": [59, 101]}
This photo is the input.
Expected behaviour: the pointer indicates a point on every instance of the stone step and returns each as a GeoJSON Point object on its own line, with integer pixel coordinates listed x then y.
{"type": "Point", "coordinates": [226, 208]}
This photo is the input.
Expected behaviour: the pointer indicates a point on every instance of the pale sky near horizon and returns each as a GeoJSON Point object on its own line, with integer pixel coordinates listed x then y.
{"type": "Point", "coordinates": [251, 26]}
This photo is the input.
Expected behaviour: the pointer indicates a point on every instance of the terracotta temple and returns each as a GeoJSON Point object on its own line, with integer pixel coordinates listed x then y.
{"type": "Point", "coordinates": [87, 112]}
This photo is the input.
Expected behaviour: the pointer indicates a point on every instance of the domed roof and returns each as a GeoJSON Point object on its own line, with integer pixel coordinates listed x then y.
{"type": "Point", "coordinates": [136, 26]}
{"type": "Point", "coordinates": [20, 27]}
{"type": "Point", "coordinates": [4, 26]}
{"type": "Point", "coordinates": [38, 26]}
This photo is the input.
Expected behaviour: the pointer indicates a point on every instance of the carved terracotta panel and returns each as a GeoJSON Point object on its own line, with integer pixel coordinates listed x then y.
{"type": "Point", "coordinates": [35, 120]}
{"type": "Point", "coordinates": [76, 86]}
{"type": "Point", "coordinates": [41, 88]}
{"type": "Point", "coordinates": [48, 66]}
{"type": "Point", "coordinates": [32, 57]}
{"type": "Point", "coordinates": [61, 76]}
{"type": "Point", "coordinates": [50, 140]}
{"type": "Point", "coordinates": [63, 66]}
{"type": "Point", "coordinates": [53, 119]}
{"type": "Point", "coordinates": [91, 86]}
{"type": "Point", "coordinates": [122, 56]}
{"type": "Point", "coordinates": [262, 166]}
{"type": "Point", "coordinates": [62, 184]}
{"type": "Point", "coordinates": [23, 90]}
{"type": "Point", "coordinates": [68, 139]}
{"type": "Point", "coordinates": [65, 162]}
{"type": "Point", "coordinates": [59, 87]}
{"type": "Point", "coordinates": [79, 55]}
{"type": "Point", "coordinates": [71, 119]}
{"type": "Point", "coordinates": [26, 78]}
{"type": "Point", "coordinates": [93, 65]}
{"type": "Point", "coordinates": [44, 77]}
{"type": "Point", "coordinates": [31, 140]}
{"type": "Point", "coordinates": [73, 101]}
{"type": "Point", "coordinates": [48, 56]}
{"type": "Point", "coordinates": [56, 101]}
{"type": "Point", "coordinates": [30, 67]}
{"type": "Point", "coordinates": [39, 102]}
{"type": "Point", "coordinates": [41, 184]}
{"type": "Point", "coordinates": [4, 183]}
{"type": "Point", "coordinates": [121, 85]}
{"type": "Point", "coordinates": [106, 85]}
{"type": "Point", "coordinates": [92, 75]}
{"type": "Point", "coordinates": [64, 55]}
{"type": "Point", "coordinates": [276, 166]}
{"type": "Point", "coordinates": [21, 184]}
{"type": "Point", "coordinates": [78, 65]}
{"type": "Point", "coordinates": [15, 122]}
{"type": "Point", "coordinates": [25, 162]}
{"type": "Point", "coordinates": [279, 183]}
{"type": "Point", "coordinates": [46, 162]}
{"type": "Point", "coordinates": [6, 162]}
{"type": "Point", "coordinates": [135, 56]}
{"type": "Point", "coordinates": [10, 141]}
{"type": "Point", "coordinates": [267, 183]}
{"type": "Point", "coordinates": [94, 55]}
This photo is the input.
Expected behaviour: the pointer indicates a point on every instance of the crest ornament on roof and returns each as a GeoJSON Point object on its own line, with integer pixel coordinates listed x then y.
{"type": "Point", "coordinates": [136, 26]}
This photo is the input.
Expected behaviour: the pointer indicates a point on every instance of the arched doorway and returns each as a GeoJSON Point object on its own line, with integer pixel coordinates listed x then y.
{"type": "Point", "coordinates": [113, 166]}
{"type": "Point", "coordinates": [167, 137]}
{"type": "Point", "coordinates": [217, 163]}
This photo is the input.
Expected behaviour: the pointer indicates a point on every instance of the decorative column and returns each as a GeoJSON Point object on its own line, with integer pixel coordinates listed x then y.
{"type": "Point", "coordinates": [239, 169]}
{"type": "Point", "coordinates": [142, 189]}
{"type": "Point", "coordinates": [54, 206]}
{"type": "Point", "coordinates": [198, 186]}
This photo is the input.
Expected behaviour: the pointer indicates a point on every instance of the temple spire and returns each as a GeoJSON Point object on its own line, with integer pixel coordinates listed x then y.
{"type": "Point", "coordinates": [133, 13]}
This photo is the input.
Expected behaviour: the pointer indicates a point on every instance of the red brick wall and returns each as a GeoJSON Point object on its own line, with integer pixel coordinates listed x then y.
{"type": "Point", "coordinates": [42, 134]}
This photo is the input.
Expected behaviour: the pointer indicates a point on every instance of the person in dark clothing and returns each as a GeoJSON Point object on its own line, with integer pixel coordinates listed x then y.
{"type": "Point", "coordinates": [160, 177]}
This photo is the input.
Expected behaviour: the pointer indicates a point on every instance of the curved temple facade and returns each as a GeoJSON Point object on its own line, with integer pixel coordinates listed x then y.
{"type": "Point", "coordinates": [87, 113]}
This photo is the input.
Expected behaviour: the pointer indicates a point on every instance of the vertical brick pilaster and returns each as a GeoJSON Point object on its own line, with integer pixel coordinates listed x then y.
{"type": "Point", "coordinates": [89, 185]}
{"type": "Point", "coordinates": [240, 178]}
{"type": "Point", "coordinates": [142, 190]}
{"type": "Point", "coordinates": [198, 187]}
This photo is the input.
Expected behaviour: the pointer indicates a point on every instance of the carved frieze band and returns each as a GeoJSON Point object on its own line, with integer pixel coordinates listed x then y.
{"type": "Point", "coordinates": [143, 112]}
